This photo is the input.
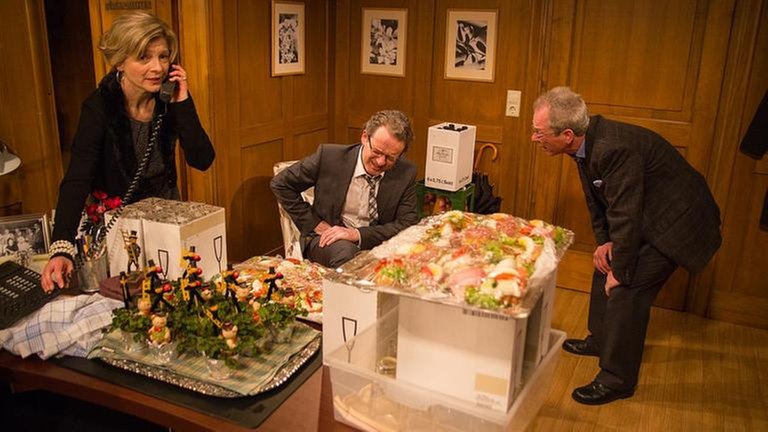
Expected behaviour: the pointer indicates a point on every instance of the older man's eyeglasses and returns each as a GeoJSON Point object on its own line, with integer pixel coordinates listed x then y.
{"type": "Point", "coordinates": [538, 134]}
{"type": "Point", "coordinates": [378, 153]}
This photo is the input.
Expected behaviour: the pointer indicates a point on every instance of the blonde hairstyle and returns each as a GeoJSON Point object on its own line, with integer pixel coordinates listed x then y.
{"type": "Point", "coordinates": [567, 110]}
{"type": "Point", "coordinates": [130, 34]}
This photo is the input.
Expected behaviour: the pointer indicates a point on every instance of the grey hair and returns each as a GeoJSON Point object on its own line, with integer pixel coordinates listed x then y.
{"type": "Point", "coordinates": [567, 110]}
{"type": "Point", "coordinates": [396, 122]}
{"type": "Point", "coordinates": [130, 34]}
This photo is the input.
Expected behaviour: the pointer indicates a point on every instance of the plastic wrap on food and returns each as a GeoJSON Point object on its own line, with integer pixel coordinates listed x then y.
{"type": "Point", "coordinates": [492, 263]}
{"type": "Point", "coordinates": [301, 277]}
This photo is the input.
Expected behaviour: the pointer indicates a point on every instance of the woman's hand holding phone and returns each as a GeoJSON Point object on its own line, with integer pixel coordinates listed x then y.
{"type": "Point", "coordinates": [178, 75]}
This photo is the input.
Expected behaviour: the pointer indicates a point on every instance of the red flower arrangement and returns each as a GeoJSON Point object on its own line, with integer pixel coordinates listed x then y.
{"type": "Point", "coordinates": [100, 204]}
{"type": "Point", "coordinates": [90, 244]}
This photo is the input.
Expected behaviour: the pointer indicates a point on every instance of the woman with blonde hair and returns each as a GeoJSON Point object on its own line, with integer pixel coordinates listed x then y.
{"type": "Point", "coordinates": [125, 140]}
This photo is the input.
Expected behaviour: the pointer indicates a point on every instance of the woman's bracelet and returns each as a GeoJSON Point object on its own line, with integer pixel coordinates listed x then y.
{"type": "Point", "coordinates": [62, 247]}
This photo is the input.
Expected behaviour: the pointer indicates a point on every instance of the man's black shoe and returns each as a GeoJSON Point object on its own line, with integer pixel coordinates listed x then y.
{"type": "Point", "coordinates": [598, 394]}
{"type": "Point", "coordinates": [581, 347]}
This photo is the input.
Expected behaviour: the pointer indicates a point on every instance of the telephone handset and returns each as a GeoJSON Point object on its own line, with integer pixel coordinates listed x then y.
{"type": "Point", "coordinates": [166, 90]}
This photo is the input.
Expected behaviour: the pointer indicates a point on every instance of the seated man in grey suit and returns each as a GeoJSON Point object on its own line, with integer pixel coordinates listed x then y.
{"type": "Point", "coordinates": [364, 193]}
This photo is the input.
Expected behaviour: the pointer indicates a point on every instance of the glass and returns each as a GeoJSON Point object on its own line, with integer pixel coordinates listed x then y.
{"type": "Point", "coordinates": [218, 369]}
{"type": "Point", "coordinates": [128, 344]}
{"type": "Point", "coordinates": [378, 153]}
{"type": "Point", "coordinates": [160, 354]}
{"type": "Point", "coordinates": [92, 272]}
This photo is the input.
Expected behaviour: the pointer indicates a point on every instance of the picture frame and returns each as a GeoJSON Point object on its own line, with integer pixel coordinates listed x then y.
{"type": "Point", "coordinates": [22, 238]}
{"type": "Point", "coordinates": [383, 41]}
{"type": "Point", "coordinates": [288, 30]}
{"type": "Point", "coordinates": [470, 44]}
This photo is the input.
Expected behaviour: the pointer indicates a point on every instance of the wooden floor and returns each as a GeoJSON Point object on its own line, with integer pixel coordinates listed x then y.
{"type": "Point", "coordinates": [697, 375]}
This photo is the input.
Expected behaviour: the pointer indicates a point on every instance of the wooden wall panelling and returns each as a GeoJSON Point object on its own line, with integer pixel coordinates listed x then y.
{"type": "Point", "coordinates": [226, 109]}
{"type": "Point", "coordinates": [368, 93]}
{"type": "Point", "coordinates": [739, 277]}
{"type": "Point", "coordinates": [196, 41]}
{"type": "Point", "coordinates": [339, 63]}
{"type": "Point", "coordinates": [267, 119]}
{"type": "Point", "coordinates": [71, 67]}
{"type": "Point", "coordinates": [524, 64]}
{"type": "Point", "coordinates": [28, 122]}
{"type": "Point", "coordinates": [424, 42]}
{"type": "Point", "coordinates": [470, 102]}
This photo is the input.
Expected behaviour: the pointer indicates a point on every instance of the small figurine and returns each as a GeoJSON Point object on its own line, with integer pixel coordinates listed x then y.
{"type": "Point", "coordinates": [151, 278]}
{"type": "Point", "coordinates": [159, 292]}
{"type": "Point", "coordinates": [144, 305]}
{"type": "Point", "coordinates": [212, 312]}
{"type": "Point", "coordinates": [272, 281]}
{"type": "Point", "coordinates": [133, 250]}
{"type": "Point", "coordinates": [191, 281]}
{"type": "Point", "coordinates": [159, 333]}
{"type": "Point", "coordinates": [124, 288]}
{"type": "Point", "coordinates": [191, 258]}
{"type": "Point", "coordinates": [206, 293]}
{"type": "Point", "coordinates": [229, 333]}
{"type": "Point", "coordinates": [229, 279]}
{"type": "Point", "coordinates": [242, 293]}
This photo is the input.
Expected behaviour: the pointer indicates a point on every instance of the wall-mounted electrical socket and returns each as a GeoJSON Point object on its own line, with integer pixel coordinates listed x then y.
{"type": "Point", "coordinates": [513, 103]}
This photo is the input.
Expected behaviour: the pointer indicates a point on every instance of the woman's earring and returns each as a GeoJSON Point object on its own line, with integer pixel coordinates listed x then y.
{"type": "Point", "coordinates": [119, 75]}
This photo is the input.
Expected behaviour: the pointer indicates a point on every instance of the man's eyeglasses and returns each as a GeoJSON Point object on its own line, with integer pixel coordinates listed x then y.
{"type": "Point", "coordinates": [537, 134]}
{"type": "Point", "coordinates": [378, 153]}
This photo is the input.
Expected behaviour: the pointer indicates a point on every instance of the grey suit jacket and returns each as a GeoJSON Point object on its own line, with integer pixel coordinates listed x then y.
{"type": "Point", "coordinates": [330, 171]}
{"type": "Point", "coordinates": [639, 189]}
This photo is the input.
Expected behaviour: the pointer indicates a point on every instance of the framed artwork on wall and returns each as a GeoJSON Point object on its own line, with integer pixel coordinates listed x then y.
{"type": "Point", "coordinates": [383, 41]}
{"type": "Point", "coordinates": [288, 47]}
{"type": "Point", "coordinates": [470, 45]}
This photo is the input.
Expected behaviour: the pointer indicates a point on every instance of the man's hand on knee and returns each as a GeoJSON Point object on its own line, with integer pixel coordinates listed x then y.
{"type": "Point", "coordinates": [336, 233]}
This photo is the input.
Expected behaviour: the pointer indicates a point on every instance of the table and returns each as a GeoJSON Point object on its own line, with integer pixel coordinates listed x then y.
{"type": "Point", "coordinates": [309, 408]}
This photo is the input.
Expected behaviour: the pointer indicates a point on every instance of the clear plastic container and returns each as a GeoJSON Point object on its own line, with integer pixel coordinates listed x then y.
{"type": "Point", "coordinates": [371, 398]}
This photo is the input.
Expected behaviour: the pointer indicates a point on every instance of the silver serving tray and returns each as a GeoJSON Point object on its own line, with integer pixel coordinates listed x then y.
{"type": "Point", "coordinates": [206, 388]}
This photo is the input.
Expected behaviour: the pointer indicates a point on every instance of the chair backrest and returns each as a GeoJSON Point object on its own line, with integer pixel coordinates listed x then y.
{"type": "Point", "coordinates": [291, 234]}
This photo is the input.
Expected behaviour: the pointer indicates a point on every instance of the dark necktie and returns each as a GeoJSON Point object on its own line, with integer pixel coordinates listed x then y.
{"type": "Point", "coordinates": [373, 210]}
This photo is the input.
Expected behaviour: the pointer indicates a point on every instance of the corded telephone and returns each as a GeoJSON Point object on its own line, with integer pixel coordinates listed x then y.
{"type": "Point", "coordinates": [20, 293]}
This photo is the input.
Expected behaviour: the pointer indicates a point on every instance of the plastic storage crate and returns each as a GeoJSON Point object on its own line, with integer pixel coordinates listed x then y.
{"type": "Point", "coordinates": [368, 395]}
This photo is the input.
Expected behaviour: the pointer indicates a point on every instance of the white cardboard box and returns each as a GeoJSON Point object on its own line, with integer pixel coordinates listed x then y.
{"type": "Point", "coordinates": [165, 229]}
{"type": "Point", "coordinates": [449, 156]}
{"type": "Point", "coordinates": [460, 353]}
{"type": "Point", "coordinates": [348, 310]}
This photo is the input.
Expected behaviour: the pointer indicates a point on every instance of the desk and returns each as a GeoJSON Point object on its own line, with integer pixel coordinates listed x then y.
{"type": "Point", "coordinates": [309, 408]}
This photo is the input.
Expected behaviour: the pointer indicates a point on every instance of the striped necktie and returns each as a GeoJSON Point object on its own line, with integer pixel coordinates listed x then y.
{"type": "Point", "coordinates": [373, 210]}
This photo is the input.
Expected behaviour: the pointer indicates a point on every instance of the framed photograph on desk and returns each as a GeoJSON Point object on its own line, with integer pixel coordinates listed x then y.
{"type": "Point", "coordinates": [24, 239]}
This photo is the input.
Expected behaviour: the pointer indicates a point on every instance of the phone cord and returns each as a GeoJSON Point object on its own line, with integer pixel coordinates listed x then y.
{"type": "Point", "coordinates": [157, 125]}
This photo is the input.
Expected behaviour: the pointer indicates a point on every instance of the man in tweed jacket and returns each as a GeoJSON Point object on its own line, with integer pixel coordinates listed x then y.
{"type": "Point", "coordinates": [650, 210]}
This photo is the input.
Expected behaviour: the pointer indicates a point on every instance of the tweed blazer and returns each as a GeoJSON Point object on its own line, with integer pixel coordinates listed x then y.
{"type": "Point", "coordinates": [330, 171]}
{"type": "Point", "coordinates": [639, 190]}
